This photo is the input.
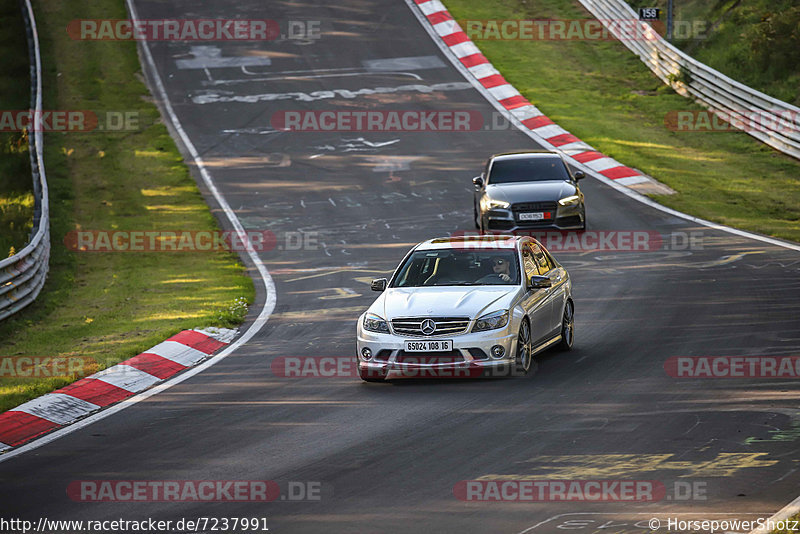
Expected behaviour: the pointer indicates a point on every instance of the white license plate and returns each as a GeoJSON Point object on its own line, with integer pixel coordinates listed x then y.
{"type": "Point", "coordinates": [536, 216]}
{"type": "Point", "coordinates": [429, 346]}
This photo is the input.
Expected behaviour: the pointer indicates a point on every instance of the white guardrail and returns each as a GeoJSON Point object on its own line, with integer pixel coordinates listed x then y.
{"type": "Point", "coordinates": [768, 119]}
{"type": "Point", "coordinates": [23, 274]}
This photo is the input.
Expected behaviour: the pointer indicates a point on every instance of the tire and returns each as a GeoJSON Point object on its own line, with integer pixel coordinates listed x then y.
{"type": "Point", "coordinates": [567, 327]}
{"type": "Point", "coordinates": [475, 216]}
{"type": "Point", "coordinates": [524, 357]}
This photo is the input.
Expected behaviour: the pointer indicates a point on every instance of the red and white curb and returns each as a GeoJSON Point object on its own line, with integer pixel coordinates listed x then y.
{"type": "Point", "coordinates": [95, 392]}
{"type": "Point", "coordinates": [517, 105]}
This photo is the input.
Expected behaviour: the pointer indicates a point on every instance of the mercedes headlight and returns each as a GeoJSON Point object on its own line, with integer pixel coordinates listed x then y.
{"type": "Point", "coordinates": [373, 323]}
{"type": "Point", "coordinates": [570, 200]}
{"type": "Point", "coordinates": [491, 321]}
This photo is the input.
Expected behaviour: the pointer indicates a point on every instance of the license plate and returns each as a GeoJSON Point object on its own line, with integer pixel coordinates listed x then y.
{"type": "Point", "coordinates": [429, 346]}
{"type": "Point", "coordinates": [535, 216]}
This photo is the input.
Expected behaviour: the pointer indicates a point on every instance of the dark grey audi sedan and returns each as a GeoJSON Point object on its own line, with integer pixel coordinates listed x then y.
{"type": "Point", "coordinates": [528, 191]}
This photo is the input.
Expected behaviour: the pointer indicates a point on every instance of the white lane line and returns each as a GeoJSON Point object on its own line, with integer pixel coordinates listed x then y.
{"type": "Point", "coordinates": [269, 285]}
{"type": "Point", "coordinates": [452, 55]}
{"type": "Point", "coordinates": [791, 509]}
{"type": "Point", "coordinates": [57, 408]}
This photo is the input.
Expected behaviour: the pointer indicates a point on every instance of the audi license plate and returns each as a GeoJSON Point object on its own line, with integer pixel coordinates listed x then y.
{"type": "Point", "coordinates": [429, 346]}
{"type": "Point", "coordinates": [535, 216]}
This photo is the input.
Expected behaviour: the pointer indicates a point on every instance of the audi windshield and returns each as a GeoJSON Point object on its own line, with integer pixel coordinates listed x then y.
{"type": "Point", "coordinates": [528, 169]}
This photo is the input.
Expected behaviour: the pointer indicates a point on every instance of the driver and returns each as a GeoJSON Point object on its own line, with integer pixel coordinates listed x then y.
{"type": "Point", "coordinates": [500, 267]}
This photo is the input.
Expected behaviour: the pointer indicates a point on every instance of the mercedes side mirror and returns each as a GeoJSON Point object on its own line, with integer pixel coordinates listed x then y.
{"type": "Point", "coordinates": [539, 282]}
{"type": "Point", "coordinates": [478, 181]}
{"type": "Point", "coordinates": [579, 175]}
{"type": "Point", "coordinates": [379, 284]}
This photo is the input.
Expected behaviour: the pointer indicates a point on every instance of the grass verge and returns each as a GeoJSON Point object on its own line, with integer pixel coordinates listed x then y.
{"type": "Point", "coordinates": [111, 306]}
{"type": "Point", "coordinates": [790, 521]}
{"type": "Point", "coordinates": [601, 92]}
{"type": "Point", "coordinates": [16, 189]}
{"type": "Point", "coordinates": [753, 41]}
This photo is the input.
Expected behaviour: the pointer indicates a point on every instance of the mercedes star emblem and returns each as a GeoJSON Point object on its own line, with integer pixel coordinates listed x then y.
{"type": "Point", "coordinates": [428, 327]}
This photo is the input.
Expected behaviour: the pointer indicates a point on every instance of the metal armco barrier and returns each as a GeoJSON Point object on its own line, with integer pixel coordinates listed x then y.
{"type": "Point", "coordinates": [23, 274]}
{"type": "Point", "coordinates": [780, 124]}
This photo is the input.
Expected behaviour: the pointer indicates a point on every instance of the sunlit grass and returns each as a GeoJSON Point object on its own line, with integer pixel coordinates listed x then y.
{"type": "Point", "coordinates": [112, 306]}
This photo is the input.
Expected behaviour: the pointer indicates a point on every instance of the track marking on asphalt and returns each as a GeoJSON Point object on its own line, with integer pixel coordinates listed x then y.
{"type": "Point", "coordinates": [725, 260]}
{"type": "Point", "coordinates": [340, 293]}
{"type": "Point", "coordinates": [210, 57]}
{"type": "Point", "coordinates": [337, 271]}
{"type": "Point", "coordinates": [640, 525]}
{"type": "Point", "coordinates": [370, 67]}
{"type": "Point", "coordinates": [585, 466]}
{"type": "Point", "coordinates": [215, 98]}
{"type": "Point", "coordinates": [403, 63]}
{"type": "Point", "coordinates": [270, 299]}
{"type": "Point", "coordinates": [211, 82]}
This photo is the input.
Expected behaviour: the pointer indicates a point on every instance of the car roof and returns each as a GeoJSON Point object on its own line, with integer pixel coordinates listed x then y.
{"type": "Point", "coordinates": [525, 155]}
{"type": "Point", "coordinates": [474, 242]}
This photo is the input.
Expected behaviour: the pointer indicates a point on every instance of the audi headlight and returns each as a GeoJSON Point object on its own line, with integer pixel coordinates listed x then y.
{"type": "Point", "coordinates": [373, 323]}
{"type": "Point", "coordinates": [490, 204]}
{"type": "Point", "coordinates": [570, 200]}
{"type": "Point", "coordinates": [491, 321]}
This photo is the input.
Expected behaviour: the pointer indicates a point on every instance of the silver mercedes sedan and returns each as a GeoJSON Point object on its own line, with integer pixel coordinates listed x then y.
{"type": "Point", "coordinates": [464, 307]}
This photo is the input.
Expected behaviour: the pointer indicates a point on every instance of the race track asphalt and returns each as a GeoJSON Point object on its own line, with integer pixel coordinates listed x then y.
{"type": "Point", "coordinates": [387, 456]}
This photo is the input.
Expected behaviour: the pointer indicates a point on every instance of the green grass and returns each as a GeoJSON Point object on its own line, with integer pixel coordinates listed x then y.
{"type": "Point", "coordinates": [111, 306]}
{"type": "Point", "coordinates": [602, 93]}
{"type": "Point", "coordinates": [16, 188]}
{"type": "Point", "coordinates": [753, 41]}
{"type": "Point", "coordinates": [789, 521]}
